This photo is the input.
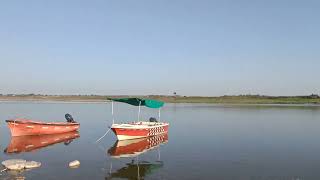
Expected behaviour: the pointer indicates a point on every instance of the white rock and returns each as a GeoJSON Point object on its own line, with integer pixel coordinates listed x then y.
{"type": "Point", "coordinates": [14, 164]}
{"type": "Point", "coordinates": [19, 164]}
{"type": "Point", "coordinates": [74, 164]}
{"type": "Point", "coordinates": [32, 164]}
{"type": "Point", "coordinates": [13, 161]}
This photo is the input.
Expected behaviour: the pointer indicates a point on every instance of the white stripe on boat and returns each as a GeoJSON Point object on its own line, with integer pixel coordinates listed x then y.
{"type": "Point", "coordinates": [124, 137]}
{"type": "Point", "coordinates": [29, 146]}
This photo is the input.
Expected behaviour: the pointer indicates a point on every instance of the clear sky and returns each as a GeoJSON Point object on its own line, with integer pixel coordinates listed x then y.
{"type": "Point", "coordinates": [141, 47]}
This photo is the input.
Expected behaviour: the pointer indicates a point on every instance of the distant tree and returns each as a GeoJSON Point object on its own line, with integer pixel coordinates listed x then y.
{"type": "Point", "coordinates": [314, 96]}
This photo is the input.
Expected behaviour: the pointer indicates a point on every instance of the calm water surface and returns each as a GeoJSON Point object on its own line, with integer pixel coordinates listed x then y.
{"type": "Point", "coordinates": [204, 142]}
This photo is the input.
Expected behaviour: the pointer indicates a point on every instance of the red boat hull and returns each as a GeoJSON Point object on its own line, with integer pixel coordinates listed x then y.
{"type": "Point", "coordinates": [24, 127]}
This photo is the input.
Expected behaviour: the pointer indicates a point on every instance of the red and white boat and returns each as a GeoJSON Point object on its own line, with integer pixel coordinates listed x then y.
{"type": "Point", "coordinates": [139, 129]}
{"type": "Point", "coordinates": [24, 127]}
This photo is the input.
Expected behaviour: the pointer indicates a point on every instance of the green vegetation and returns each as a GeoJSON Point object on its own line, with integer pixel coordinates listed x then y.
{"type": "Point", "coordinates": [249, 99]}
{"type": "Point", "coordinates": [241, 99]}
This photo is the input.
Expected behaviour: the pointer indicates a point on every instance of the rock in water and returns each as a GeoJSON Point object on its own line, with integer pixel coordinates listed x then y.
{"type": "Point", "coordinates": [13, 161]}
{"type": "Point", "coordinates": [32, 164]}
{"type": "Point", "coordinates": [14, 164]}
{"type": "Point", "coordinates": [19, 164]}
{"type": "Point", "coordinates": [74, 164]}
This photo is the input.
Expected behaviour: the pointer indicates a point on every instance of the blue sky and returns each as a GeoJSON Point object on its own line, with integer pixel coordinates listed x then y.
{"type": "Point", "coordinates": [146, 47]}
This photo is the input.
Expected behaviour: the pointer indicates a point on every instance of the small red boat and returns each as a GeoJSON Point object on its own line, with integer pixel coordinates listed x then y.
{"type": "Point", "coordinates": [24, 127]}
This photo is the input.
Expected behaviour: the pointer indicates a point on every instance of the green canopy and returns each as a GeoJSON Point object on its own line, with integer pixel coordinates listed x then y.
{"type": "Point", "coordinates": [138, 101]}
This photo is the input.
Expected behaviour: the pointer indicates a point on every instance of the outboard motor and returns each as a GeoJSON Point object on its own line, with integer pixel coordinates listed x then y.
{"type": "Point", "coordinates": [153, 119]}
{"type": "Point", "coordinates": [69, 118]}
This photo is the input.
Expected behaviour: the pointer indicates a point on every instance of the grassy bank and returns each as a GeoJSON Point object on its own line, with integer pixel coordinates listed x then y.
{"type": "Point", "coordinates": [248, 99]}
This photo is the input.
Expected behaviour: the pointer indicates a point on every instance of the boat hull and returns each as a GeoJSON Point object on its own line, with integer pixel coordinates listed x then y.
{"type": "Point", "coordinates": [23, 127]}
{"type": "Point", "coordinates": [139, 130]}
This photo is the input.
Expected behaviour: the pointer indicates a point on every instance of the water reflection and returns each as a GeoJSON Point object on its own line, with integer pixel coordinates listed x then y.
{"type": "Point", "coordinates": [30, 143]}
{"type": "Point", "coordinates": [134, 147]}
{"type": "Point", "coordinates": [136, 169]}
{"type": "Point", "coordinates": [14, 175]}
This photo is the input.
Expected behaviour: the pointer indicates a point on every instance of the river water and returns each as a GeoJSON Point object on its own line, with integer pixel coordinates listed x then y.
{"type": "Point", "coordinates": [204, 142]}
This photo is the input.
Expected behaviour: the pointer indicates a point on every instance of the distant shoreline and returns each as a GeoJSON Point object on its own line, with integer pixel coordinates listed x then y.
{"type": "Point", "coordinates": [242, 99]}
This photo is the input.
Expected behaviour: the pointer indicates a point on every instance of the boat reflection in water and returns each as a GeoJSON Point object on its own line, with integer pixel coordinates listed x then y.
{"type": "Point", "coordinates": [30, 143]}
{"type": "Point", "coordinates": [136, 169]}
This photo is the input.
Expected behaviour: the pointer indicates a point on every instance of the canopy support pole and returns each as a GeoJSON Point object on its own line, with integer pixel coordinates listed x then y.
{"type": "Point", "coordinates": [139, 111]}
{"type": "Point", "coordinates": [159, 114]}
{"type": "Point", "coordinates": [112, 112]}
